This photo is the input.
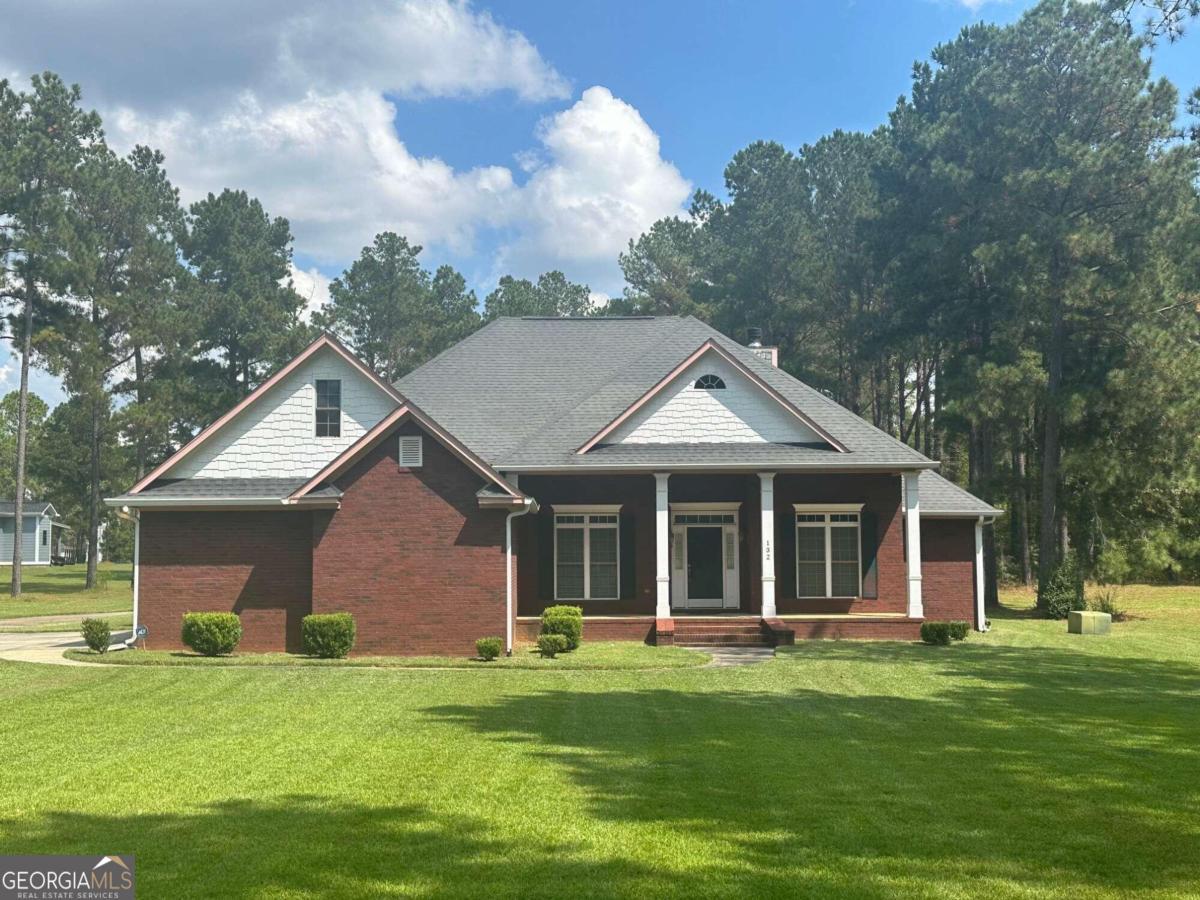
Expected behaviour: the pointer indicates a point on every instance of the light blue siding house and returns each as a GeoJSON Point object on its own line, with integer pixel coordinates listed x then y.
{"type": "Point", "coordinates": [39, 542]}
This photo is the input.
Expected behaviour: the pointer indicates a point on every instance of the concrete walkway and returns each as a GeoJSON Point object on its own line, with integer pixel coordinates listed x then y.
{"type": "Point", "coordinates": [47, 647]}
{"type": "Point", "coordinates": [61, 619]}
{"type": "Point", "coordinates": [723, 657]}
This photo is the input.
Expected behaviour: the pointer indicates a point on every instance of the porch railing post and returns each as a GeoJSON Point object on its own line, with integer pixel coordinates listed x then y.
{"type": "Point", "coordinates": [912, 533]}
{"type": "Point", "coordinates": [767, 542]}
{"type": "Point", "coordinates": [662, 539]}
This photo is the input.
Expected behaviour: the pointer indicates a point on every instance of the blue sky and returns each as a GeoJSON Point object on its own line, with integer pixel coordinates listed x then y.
{"type": "Point", "coordinates": [505, 137]}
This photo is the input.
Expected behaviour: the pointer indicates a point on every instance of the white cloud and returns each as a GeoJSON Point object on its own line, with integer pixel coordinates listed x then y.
{"type": "Point", "coordinates": [604, 182]}
{"type": "Point", "coordinates": [332, 164]}
{"type": "Point", "coordinates": [295, 101]}
{"type": "Point", "coordinates": [313, 287]}
{"type": "Point", "coordinates": [201, 53]}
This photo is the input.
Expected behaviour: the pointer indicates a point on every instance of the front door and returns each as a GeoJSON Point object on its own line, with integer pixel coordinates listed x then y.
{"type": "Point", "coordinates": [705, 566]}
{"type": "Point", "coordinates": [704, 556]}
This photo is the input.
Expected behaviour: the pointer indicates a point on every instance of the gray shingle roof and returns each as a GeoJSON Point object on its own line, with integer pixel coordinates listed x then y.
{"type": "Point", "coordinates": [32, 507]}
{"type": "Point", "coordinates": [227, 489]}
{"type": "Point", "coordinates": [940, 497]}
{"type": "Point", "coordinates": [529, 392]}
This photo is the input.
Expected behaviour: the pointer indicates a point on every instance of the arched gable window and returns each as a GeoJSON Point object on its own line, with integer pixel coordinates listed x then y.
{"type": "Point", "coordinates": [709, 383]}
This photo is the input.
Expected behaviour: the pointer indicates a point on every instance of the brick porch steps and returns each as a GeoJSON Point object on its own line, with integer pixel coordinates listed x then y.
{"type": "Point", "coordinates": [718, 633]}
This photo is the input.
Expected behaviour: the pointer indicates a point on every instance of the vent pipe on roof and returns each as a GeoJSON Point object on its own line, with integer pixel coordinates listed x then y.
{"type": "Point", "coordinates": [755, 336]}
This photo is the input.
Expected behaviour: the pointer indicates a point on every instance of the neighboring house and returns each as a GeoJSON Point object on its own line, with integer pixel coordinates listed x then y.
{"type": "Point", "coordinates": [675, 484]}
{"type": "Point", "coordinates": [41, 534]}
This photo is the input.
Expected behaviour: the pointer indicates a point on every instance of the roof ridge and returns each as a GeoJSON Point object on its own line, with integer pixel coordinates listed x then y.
{"type": "Point", "coordinates": [568, 407]}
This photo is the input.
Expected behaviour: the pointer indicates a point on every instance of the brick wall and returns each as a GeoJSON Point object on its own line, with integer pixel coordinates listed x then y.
{"type": "Point", "coordinates": [411, 554]}
{"type": "Point", "coordinates": [948, 569]}
{"type": "Point", "coordinates": [880, 495]}
{"type": "Point", "coordinates": [257, 564]}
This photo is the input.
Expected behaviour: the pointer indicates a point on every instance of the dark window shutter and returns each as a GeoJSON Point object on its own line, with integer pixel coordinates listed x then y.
{"type": "Point", "coordinates": [628, 574]}
{"type": "Point", "coordinates": [545, 556]}
{"type": "Point", "coordinates": [868, 522]}
{"type": "Point", "coordinates": [785, 554]}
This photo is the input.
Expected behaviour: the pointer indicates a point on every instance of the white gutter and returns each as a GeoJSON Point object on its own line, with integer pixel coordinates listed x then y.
{"type": "Point", "coordinates": [528, 506]}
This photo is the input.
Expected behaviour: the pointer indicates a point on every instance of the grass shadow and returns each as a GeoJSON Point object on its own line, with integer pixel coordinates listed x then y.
{"type": "Point", "coordinates": [1039, 770]}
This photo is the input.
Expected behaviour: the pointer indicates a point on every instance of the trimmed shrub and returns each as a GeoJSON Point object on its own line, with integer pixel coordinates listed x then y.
{"type": "Point", "coordinates": [566, 621]}
{"type": "Point", "coordinates": [959, 630]}
{"type": "Point", "coordinates": [328, 635]}
{"type": "Point", "coordinates": [1064, 591]}
{"type": "Point", "coordinates": [489, 648]}
{"type": "Point", "coordinates": [549, 645]}
{"type": "Point", "coordinates": [96, 634]}
{"type": "Point", "coordinates": [212, 633]}
{"type": "Point", "coordinates": [935, 633]}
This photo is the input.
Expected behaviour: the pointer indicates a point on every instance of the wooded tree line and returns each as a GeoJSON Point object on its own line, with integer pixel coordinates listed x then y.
{"type": "Point", "coordinates": [1005, 275]}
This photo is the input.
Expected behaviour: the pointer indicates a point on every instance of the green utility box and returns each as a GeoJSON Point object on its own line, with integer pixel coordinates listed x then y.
{"type": "Point", "coordinates": [1082, 621]}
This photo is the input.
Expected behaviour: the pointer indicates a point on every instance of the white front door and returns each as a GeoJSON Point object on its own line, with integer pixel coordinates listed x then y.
{"type": "Point", "coordinates": [704, 556]}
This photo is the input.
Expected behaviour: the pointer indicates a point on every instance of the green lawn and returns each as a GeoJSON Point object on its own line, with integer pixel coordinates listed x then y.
{"type": "Point", "coordinates": [591, 655]}
{"type": "Point", "coordinates": [54, 590]}
{"type": "Point", "coordinates": [1021, 763]}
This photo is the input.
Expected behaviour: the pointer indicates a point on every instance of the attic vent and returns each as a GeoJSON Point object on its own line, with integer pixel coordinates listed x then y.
{"type": "Point", "coordinates": [410, 451]}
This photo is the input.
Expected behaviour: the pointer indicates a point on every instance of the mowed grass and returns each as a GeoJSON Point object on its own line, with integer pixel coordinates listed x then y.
{"type": "Point", "coordinates": [55, 590]}
{"type": "Point", "coordinates": [591, 655]}
{"type": "Point", "coordinates": [1023, 763]}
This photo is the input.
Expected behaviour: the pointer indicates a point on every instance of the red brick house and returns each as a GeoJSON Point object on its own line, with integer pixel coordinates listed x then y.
{"type": "Point", "coordinates": [675, 484]}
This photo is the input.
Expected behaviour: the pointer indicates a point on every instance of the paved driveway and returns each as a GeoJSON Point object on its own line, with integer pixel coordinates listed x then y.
{"type": "Point", "coordinates": [47, 647]}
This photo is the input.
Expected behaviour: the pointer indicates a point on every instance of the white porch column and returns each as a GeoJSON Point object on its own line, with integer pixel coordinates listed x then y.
{"type": "Point", "coordinates": [912, 530]}
{"type": "Point", "coordinates": [766, 482]}
{"type": "Point", "coordinates": [662, 546]}
{"type": "Point", "coordinates": [980, 620]}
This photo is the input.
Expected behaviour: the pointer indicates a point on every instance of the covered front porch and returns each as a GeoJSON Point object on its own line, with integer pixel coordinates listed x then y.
{"type": "Point", "coordinates": [731, 557]}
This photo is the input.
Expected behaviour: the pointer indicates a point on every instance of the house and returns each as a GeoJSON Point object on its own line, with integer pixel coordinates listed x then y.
{"type": "Point", "coordinates": [675, 484]}
{"type": "Point", "coordinates": [40, 543]}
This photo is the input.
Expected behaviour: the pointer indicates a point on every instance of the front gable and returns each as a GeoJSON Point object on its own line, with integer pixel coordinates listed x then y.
{"type": "Point", "coordinates": [712, 397]}
{"type": "Point", "coordinates": [734, 411]}
{"type": "Point", "coordinates": [274, 436]}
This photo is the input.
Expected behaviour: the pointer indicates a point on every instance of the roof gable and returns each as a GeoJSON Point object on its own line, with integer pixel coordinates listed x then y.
{"type": "Point", "coordinates": [744, 410]}
{"type": "Point", "coordinates": [269, 432]}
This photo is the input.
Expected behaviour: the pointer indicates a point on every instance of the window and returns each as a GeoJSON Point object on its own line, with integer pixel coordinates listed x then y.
{"type": "Point", "coordinates": [827, 552]}
{"type": "Point", "coordinates": [329, 407]}
{"type": "Point", "coordinates": [411, 451]}
{"type": "Point", "coordinates": [45, 537]}
{"type": "Point", "coordinates": [587, 553]}
{"type": "Point", "coordinates": [710, 383]}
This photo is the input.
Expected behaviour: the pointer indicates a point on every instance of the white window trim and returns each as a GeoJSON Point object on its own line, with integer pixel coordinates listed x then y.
{"type": "Point", "coordinates": [316, 400]}
{"type": "Point", "coordinates": [570, 509]}
{"type": "Point", "coordinates": [828, 509]}
{"type": "Point", "coordinates": [420, 451]}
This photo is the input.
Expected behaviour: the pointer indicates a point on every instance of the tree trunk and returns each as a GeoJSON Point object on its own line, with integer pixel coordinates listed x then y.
{"type": "Point", "coordinates": [1019, 504]}
{"type": "Point", "coordinates": [139, 379]}
{"type": "Point", "coordinates": [94, 498]}
{"type": "Point", "coordinates": [1048, 556]}
{"type": "Point", "coordinates": [22, 428]}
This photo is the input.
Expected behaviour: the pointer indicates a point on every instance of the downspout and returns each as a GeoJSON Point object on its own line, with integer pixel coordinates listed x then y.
{"type": "Point", "coordinates": [528, 505]}
{"type": "Point", "coordinates": [133, 516]}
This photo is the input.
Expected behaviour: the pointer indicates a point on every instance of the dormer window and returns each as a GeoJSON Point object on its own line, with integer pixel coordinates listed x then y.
{"type": "Point", "coordinates": [710, 383]}
{"type": "Point", "coordinates": [329, 407]}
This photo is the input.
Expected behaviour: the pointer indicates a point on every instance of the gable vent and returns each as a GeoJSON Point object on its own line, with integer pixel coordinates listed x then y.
{"type": "Point", "coordinates": [410, 451]}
